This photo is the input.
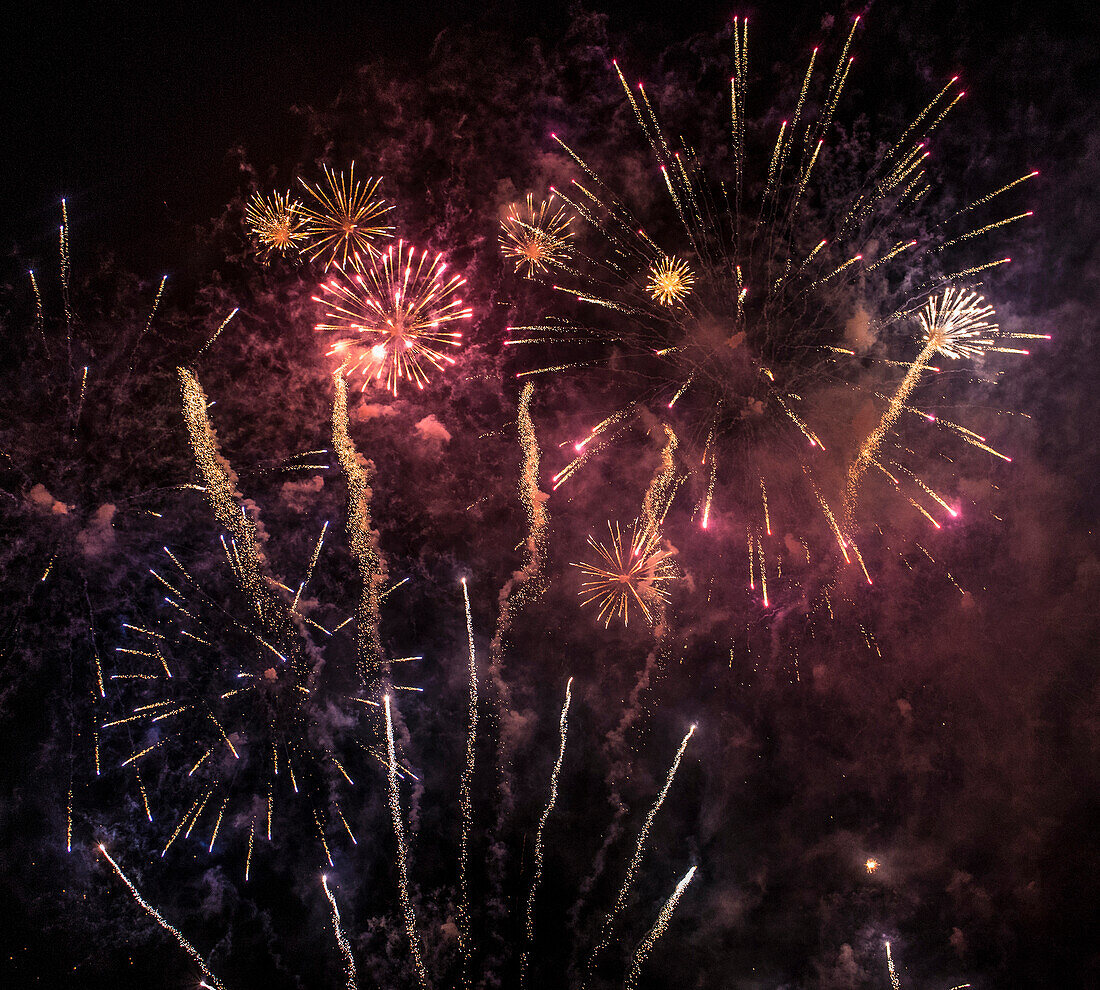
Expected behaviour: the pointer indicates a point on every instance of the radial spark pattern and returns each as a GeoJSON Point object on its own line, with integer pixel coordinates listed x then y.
{"type": "Point", "coordinates": [391, 316]}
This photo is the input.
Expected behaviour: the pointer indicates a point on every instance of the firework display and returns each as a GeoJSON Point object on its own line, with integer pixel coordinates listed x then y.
{"type": "Point", "coordinates": [727, 317]}
{"type": "Point", "coordinates": [642, 540]}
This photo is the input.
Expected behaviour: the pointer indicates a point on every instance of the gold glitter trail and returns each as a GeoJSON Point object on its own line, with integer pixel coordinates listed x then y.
{"type": "Point", "coordinates": [402, 864]}
{"type": "Point", "coordinates": [153, 913]}
{"type": "Point", "coordinates": [465, 800]}
{"type": "Point", "coordinates": [895, 983]}
{"type": "Point", "coordinates": [221, 491]}
{"type": "Point", "coordinates": [217, 333]}
{"type": "Point", "coordinates": [362, 538]}
{"type": "Point", "coordinates": [530, 936]}
{"type": "Point", "coordinates": [657, 930]}
{"type": "Point", "coordinates": [341, 938]}
{"type": "Point", "coordinates": [636, 859]}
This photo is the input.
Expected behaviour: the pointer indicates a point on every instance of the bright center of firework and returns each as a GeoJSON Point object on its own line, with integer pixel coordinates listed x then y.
{"type": "Point", "coordinates": [871, 865]}
{"type": "Point", "coordinates": [394, 308]}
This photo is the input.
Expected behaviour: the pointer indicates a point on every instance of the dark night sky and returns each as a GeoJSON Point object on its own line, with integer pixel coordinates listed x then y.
{"type": "Point", "coordinates": [964, 758]}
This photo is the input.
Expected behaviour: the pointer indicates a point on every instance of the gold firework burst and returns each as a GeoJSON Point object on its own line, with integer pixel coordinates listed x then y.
{"type": "Point", "coordinates": [345, 218]}
{"type": "Point", "coordinates": [278, 224]}
{"type": "Point", "coordinates": [535, 239]}
{"type": "Point", "coordinates": [958, 324]}
{"type": "Point", "coordinates": [632, 571]}
{"type": "Point", "coordinates": [670, 280]}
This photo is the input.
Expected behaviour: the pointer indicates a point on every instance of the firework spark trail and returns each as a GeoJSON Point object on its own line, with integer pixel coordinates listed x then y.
{"type": "Point", "coordinates": [402, 864]}
{"type": "Point", "coordinates": [217, 333]}
{"type": "Point", "coordinates": [362, 538]}
{"type": "Point", "coordinates": [955, 325]}
{"type": "Point", "coordinates": [657, 930]}
{"type": "Point", "coordinates": [895, 983]}
{"type": "Point", "coordinates": [636, 859]}
{"type": "Point", "coordinates": [527, 583]}
{"type": "Point", "coordinates": [159, 919]}
{"type": "Point", "coordinates": [465, 800]}
{"type": "Point", "coordinates": [341, 938]}
{"type": "Point", "coordinates": [221, 490]}
{"type": "Point", "coordinates": [530, 916]}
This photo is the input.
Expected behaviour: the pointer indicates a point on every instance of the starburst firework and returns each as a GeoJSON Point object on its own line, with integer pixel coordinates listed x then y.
{"type": "Point", "coordinates": [632, 570]}
{"type": "Point", "coordinates": [277, 224]}
{"type": "Point", "coordinates": [391, 316]}
{"type": "Point", "coordinates": [670, 280]}
{"type": "Point", "coordinates": [344, 218]}
{"type": "Point", "coordinates": [536, 239]}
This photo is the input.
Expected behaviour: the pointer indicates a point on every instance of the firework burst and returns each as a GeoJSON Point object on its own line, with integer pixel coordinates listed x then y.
{"type": "Point", "coordinates": [631, 570]}
{"type": "Point", "coordinates": [536, 239]}
{"type": "Point", "coordinates": [391, 316]}
{"type": "Point", "coordinates": [277, 225]}
{"type": "Point", "coordinates": [728, 318]}
{"type": "Point", "coordinates": [344, 218]}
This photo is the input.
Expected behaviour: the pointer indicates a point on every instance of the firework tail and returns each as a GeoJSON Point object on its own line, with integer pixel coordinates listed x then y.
{"type": "Point", "coordinates": [656, 931]}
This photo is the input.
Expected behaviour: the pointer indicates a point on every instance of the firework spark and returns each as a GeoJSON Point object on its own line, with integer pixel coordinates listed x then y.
{"type": "Point", "coordinates": [632, 570]}
{"type": "Point", "coordinates": [536, 239]}
{"type": "Point", "coordinates": [390, 315]}
{"type": "Point", "coordinates": [670, 280]}
{"type": "Point", "coordinates": [343, 219]}
{"type": "Point", "coordinates": [277, 224]}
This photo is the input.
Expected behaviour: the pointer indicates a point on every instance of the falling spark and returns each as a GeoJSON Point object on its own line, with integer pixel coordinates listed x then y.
{"type": "Point", "coordinates": [341, 938]}
{"type": "Point", "coordinates": [657, 930]}
{"type": "Point", "coordinates": [159, 919]}
{"type": "Point", "coordinates": [636, 859]}
{"type": "Point", "coordinates": [465, 797]}
{"type": "Point", "coordinates": [563, 725]}
{"type": "Point", "coordinates": [402, 865]}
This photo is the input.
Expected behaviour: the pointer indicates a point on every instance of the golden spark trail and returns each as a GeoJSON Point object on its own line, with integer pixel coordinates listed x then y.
{"type": "Point", "coordinates": [402, 864]}
{"type": "Point", "coordinates": [217, 333]}
{"type": "Point", "coordinates": [657, 930]}
{"type": "Point", "coordinates": [895, 983]}
{"type": "Point", "coordinates": [362, 538]}
{"type": "Point", "coordinates": [465, 800]}
{"type": "Point", "coordinates": [956, 325]}
{"type": "Point", "coordinates": [636, 859]}
{"type": "Point", "coordinates": [221, 490]}
{"type": "Point", "coordinates": [341, 938]}
{"type": "Point", "coordinates": [153, 913]}
{"type": "Point", "coordinates": [563, 725]}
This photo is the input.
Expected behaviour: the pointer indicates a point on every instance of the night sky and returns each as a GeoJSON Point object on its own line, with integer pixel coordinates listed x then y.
{"type": "Point", "coordinates": [952, 738]}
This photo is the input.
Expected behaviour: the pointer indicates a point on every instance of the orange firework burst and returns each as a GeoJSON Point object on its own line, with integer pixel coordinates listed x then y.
{"type": "Point", "coordinates": [278, 224]}
{"type": "Point", "coordinates": [632, 570]}
{"type": "Point", "coordinates": [345, 218]}
{"type": "Point", "coordinates": [670, 280]}
{"type": "Point", "coordinates": [391, 313]}
{"type": "Point", "coordinates": [535, 239]}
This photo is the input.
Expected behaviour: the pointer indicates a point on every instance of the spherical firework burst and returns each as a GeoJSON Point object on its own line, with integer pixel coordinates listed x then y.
{"type": "Point", "coordinates": [391, 316]}
{"type": "Point", "coordinates": [670, 280]}
{"type": "Point", "coordinates": [730, 316]}
{"type": "Point", "coordinates": [632, 570]}
{"type": "Point", "coordinates": [536, 239]}
{"type": "Point", "coordinates": [277, 224]}
{"type": "Point", "coordinates": [344, 218]}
